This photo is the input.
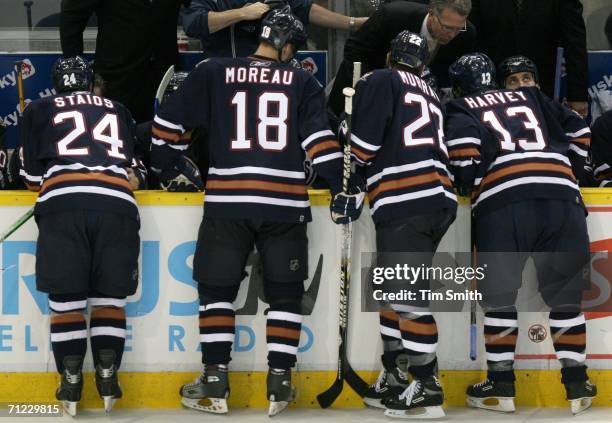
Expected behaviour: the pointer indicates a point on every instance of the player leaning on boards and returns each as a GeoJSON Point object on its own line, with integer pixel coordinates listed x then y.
{"type": "Point", "coordinates": [401, 151]}
{"type": "Point", "coordinates": [77, 152]}
{"type": "Point", "coordinates": [515, 151]}
{"type": "Point", "coordinates": [255, 194]}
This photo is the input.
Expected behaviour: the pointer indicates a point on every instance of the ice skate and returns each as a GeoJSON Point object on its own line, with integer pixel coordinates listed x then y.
{"type": "Point", "coordinates": [71, 385]}
{"type": "Point", "coordinates": [580, 395]}
{"type": "Point", "coordinates": [280, 391]}
{"type": "Point", "coordinates": [209, 392]}
{"type": "Point", "coordinates": [107, 381]}
{"type": "Point", "coordinates": [389, 384]}
{"type": "Point", "coordinates": [421, 400]}
{"type": "Point", "coordinates": [490, 395]}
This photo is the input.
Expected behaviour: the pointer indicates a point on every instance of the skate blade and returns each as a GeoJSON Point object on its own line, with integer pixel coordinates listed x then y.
{"type": "Point", "coordinates": [277, 407]}
{"type": "Point", "coordinates": [580, 404]}
{"type": "Point", "coordinates": [70, 407]}
{"type": "Point", "coordinates": [501, 404]}
{"type": "Point", "coordinates": [374, 403]}
{"type": "Point", "coordinates": [434, 412]}
{"type": "Point", "coordinates": [209, 405]}
{"type": "Point", "coordinates": [109, 402]}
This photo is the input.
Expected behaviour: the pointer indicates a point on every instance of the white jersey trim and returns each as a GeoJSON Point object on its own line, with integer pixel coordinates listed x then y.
{"type": "Point", "coordinates": [316, 135]}
{"type": "Point", "coordinates": [86, 190]}
{"type": "Point", "coordinates": [524, 181]}
{"type": "Point", "coordinates": [256, 200]}
{"type": "Point", "coordinates": [257, 170]}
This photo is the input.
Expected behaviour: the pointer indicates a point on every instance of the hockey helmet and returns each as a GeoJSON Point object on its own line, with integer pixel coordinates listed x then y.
{"type": "Point", "coordinates": [472, 74]}
{"type": "Point", "coordinates": [410, 50]}
{"type": "Point", "coordinates": [72, 74]}
{"type": "Point", "coordinates": [174, 84]}
{"type": "Point", "coordinates": [516, 64]}
{"type": "Point", "coordinates": [279, 28]}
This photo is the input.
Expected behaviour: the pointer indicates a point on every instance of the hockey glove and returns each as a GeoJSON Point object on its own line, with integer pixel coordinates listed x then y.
{"type": "Point", "coordinates": [184, 177]}
{"type": "Point", "coordinates": [346, 207]}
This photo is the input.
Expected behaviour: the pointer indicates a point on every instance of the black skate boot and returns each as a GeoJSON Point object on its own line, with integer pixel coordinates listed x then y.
{"type": "Point", "coordinates": [580, 395]}
{"type": "Point", "coordinates": [107, 381]}
{"type": "Point", "coordinates": [423, 399]}
{"type": "Point", "coordinates": [280, 390]}
{"type": "Point", "coordinates": [71, 386]}
{"type": "Point", "coordinates": [492, 395]}
{"type": "Point", "coordinates": [390, 384]}
{"type": "Point", "coordinates": [209, 392]}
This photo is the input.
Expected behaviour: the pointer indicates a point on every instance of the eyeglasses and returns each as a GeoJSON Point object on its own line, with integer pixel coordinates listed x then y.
{"type": "Point", "coordinates": [450, 29]}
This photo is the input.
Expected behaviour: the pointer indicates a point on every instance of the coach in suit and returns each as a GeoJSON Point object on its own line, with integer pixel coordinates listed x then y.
{"type": "Point", "coordinates": [443, 23]}
{"type": "Point", "coordinates": [535, 28]}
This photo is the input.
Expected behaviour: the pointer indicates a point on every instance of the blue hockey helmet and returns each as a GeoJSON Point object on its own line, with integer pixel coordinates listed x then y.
{"type": "Point", "coordinates": [410, 50]}
{"type": "Point", "coordinates": [516, 64]}
{"type": "Point", "coordinates": [280, 27]}
{"type": "Point", "coordinates": [472, 74]}
{"type": "Point", "coordinates": [72, 74]}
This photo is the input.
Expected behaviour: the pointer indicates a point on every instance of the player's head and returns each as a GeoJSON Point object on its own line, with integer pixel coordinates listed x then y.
{"type": "Point", "coordinates": [409, 51]}
{"type": "Point", "coordinates": [472, 74]}
{"type": "Point", "coordinates": [516, 72]}
{"type": "Point", "coordinates": [72, 74]}
{"type": "Point", "coordinates": [284, 32]}
{"type": "Point", "coordinates": [174, 84]}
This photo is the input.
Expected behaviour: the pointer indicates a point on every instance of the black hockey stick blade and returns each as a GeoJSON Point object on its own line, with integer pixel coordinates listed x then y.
{"type": "Point", "coordinates": [354, 380]}
{"type": "Point", "coordinates": [327, 398]}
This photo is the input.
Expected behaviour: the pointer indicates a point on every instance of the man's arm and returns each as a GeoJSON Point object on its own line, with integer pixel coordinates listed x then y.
{"type": "Point", "coordinates": [201, 20]}
{"type": "Point", "coordinates": [321, 16]}
{"type": "Point", "coordinates": [73, 20]}
{"type": "Point", "coordinates": [601, 150]}
{"type": "Point", "coordinates": [573, 39]}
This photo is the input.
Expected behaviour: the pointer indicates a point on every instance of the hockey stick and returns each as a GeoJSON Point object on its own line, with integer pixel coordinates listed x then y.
{"type": "Point", "coordinates": [558, 67]}
{"type": "Point", "coordinates": [18, 224]}
{"type": "Point", "coordinates": [159, 94]}
{"type": "Point", "coordinates": [345, 371]}
{"type": "Point", "coordinates": [473, 326]}
{"type": "Point", "coordinates": [20, 93]}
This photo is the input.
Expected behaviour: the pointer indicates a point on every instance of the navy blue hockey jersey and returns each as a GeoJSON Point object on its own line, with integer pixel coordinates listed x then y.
{"type": "Point", "coordinates": [75, 151]}
{"type": "Point", "coordinates": [398, 134]}
{"type": "Point", "coordinates": [509, 146]}
{"type": "Point", "coordinates": [262, 117]}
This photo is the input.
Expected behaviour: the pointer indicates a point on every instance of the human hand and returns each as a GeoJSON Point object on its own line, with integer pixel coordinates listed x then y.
{"type": "Point", "coordinates": [133, 179]}
{"type": "Point", "coordinates": [253, 11]}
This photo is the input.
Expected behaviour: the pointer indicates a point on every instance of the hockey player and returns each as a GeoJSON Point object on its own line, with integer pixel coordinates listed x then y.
{"type": "Point", "coordinates": [514, 151]}
{"type": "Point", "coordinates": [401, 148]}
{"type": "Point", "coordinates": [516, 72]}
{"type": "Point", "coordinates": [77, 150]}
{"type": "Point", "coordinates": [255, 195]}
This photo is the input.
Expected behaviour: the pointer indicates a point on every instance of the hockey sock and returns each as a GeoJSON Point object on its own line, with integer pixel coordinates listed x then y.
{"type": "Point", "coordinates": [217, 330]}
{"type": "Point", "coordinates": [391, 337]}
{"type": "Point", "coordinates": [284, 322]}
{"type": "Point", "coordinates": [568, 330]}
{"type": "Point", "coordinates": [420, 339]}
{"type": "Point", "coordinates": [500, 332]}
{"type": "Point", "coordinates": [217, 322]}
{"type": "Point", "coordinates": [107, 326]}
{"type": "Point", "coordinates": [68, 326]}
{"type": "Point", "coordinates": [283, 328]}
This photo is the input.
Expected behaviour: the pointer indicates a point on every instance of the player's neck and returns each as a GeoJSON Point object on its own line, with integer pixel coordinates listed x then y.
{"type": "Point", "coordinates": [266, 52]}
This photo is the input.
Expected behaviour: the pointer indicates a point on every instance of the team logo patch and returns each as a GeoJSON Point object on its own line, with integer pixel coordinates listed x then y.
{"type": "Point", "coordinates": [27, 69]}
{"type": "Point", "coordinates": [294, 265]}
{"type": "Point", "coordinates": [537, 333]}
{"type": "Point", "coordinates": [309, 65]}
